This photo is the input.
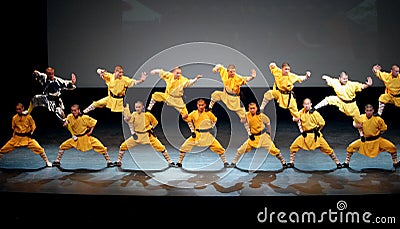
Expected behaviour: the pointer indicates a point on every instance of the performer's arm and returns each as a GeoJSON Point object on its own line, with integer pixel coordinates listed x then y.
{"type": "Point", "coordinates": [193, 81]}
{"type": "Point", "coordinates": [142, 78]}
{"type": "Point", "coordinates": [253, 75]}
{"type": "Point", "coordinates": [368, 83]}
{"type": "Point", "coordinates": [306, 76]}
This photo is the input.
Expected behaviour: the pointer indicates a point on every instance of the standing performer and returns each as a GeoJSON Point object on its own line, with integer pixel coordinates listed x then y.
{"type": "Point", "coordinates": [175, 85]}
{"type": "Point", "coordinates": [201, 123]}
{"type": "Point", "coordinates": [372, 143]}
{"type": "Point", "coordinates": [282, 90]}
{"type": "Point", "coordinates": [117, 84]}
{"type": "Point", "coordinates": [23, 127]}
{"type": "Point", "coordinates": [230, 96]}
{"type": "Point", "coordinates": [392, 83]}
{"type": "Point", "coordinates": [260, 128]}
{"type": "Point", "coordinates": [311, 138]}
{"type": "Point", "coordinates": [82, 125]}
{"type": "Point", "coordinates": [51, 96]}
{"type": "Point", "coordinates": [345, 98]}
{"type": "Point", "coordinates": [141, 125]}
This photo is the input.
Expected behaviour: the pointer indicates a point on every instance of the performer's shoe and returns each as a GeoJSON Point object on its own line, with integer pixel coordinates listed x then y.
{"type": "Point", "coordinates": [339, 166]}
{"type": "Point", "coordinates": [233, 165]}
{"type": "Point", "coordinates": [226, 165]}
{"type": "Point", "coordinates": [110, 164]}
{"type": "Point", "coordinates": [290, 165]}
{"type": "Point", "coordinates": [118, 163]}
{"type": "Point", "coordinates": [178, 164]}
{"type": "Point", "coordinates": [396, 165]}
{"type": "Point", "coordinates": [172, 164]}
{"type": "Point", "coordinates": [56, 163]}
{"type": "Point", "coordinates": [345, 165]}
{"type": "Point", "coordinates": [285, 165]}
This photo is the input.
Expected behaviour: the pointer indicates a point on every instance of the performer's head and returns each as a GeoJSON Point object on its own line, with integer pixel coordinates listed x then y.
{"type": "Point", "coordinates": [395, 70]}
{"type": "Point", "coordinates": [253, 108]}
{"type": "Point", "coordinates": [369, 110]}
{"type": "Point", "coordinates": [201, 105]}
{"type": "Point", "coordinates": [118, 71]}
{"type": "Point", "coordinates": [50, 72]}
{"type": "Point", "coordinates": [307, 104]}
{"type": "Point", "coordinates": [177, 71]}
{"type": "Point", "coordinates": [19, 108]}
{"type": "Point", "coordinates": [139, 107]}
{"type": "Point", "coordinates": [285, 68]}
{"type": "Point", "coordinates": [343, 78]}
{"type": "Point", "coordinates": [231, 70]}
{"type": "Point", "coordinates": [75, 110]}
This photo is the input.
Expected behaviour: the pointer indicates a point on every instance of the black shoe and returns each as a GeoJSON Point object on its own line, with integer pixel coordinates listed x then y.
{"type": "Point", "coordinates": [172, 164]}
{"type": "Point", "coordinates": [56, 163]}
{"type": "Point", "coordinates": [290, 165]}
{"type": "Point", "coordinates": [179, 164]}
{"type": "Point", "coordinates": [110, 164]}
{"type": "Point", "coordinates": [345, 165]}
{"type": "Point", "coordinates": [339, 166]}
{"type": "Point", "coordinates": [396, 165]}
{"type": "Point", "coordinates": [226, 165]}
{"type": "Point", "coordinates": [232, 165]}
{"type": "Point", "coordinates": [284, 165]}
{"type": "Point", "coordinates": [118, 163]}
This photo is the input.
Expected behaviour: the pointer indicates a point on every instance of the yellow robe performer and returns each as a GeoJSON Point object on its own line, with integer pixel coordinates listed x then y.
{"type": "Point", "coordinates": [141, 125]}
{"type": "Point", "coordinates": [201, 123]}
{"type": "Point", "coordinates": [312, 122]}
{"type": "Point", "coordinates": [392, 83]}
{"type": "Point", "coordinates": [82, 126]}
{"type": "Point", "coordinates": [371, 144]}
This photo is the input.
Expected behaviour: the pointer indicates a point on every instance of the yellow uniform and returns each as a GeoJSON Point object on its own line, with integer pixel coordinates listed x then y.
{"type": "Point", "coordinates": [23, 126]}
{"type": "Point", "coordinates": [116, 92]}
{"type": "Point", "coordinates": [261, 137]}
{"type": "Point", "coordinates": [173, 93]}
{"type": "Point", "coordinates": [282, 90]}
{"type": "Point", "coordinates": [374, 144]}
{"type": "Point", "coordinates": [345, 98]}
{"type": "Point", "coordinates": [80, 126]}
{"type": "Point", "coordinates": [231, 94]}
{"type": "Point", "coordinates": [203, 123]}
{"type": "Point", "coordinates": [143, 124]}
{"type": "Point", "coordinates": [392, 91]}
{"type": "Point", "coordinates": [312, 123]}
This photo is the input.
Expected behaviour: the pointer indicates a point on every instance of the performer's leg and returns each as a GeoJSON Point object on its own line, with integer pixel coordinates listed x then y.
{"type": "Point", "coordinates": [396, 163]}
{"type": "Point", "coordinates": [119, 159]}
{"type": "Point", "coordinates": [45, 159]}
{"type": "Point", "coordinates": [59, 156]}
{"type": "Point", "coordinates": [323, 103]}
{"type": "Point", "coordinates": [180, 159]}
{"type": "Point", "coordinates": [167, 157]}
{"type": "Point", "coordinates": [336, 160]}
{"type": "Point", "coordinates": [347, 160]}
{"type": "Point", "coordinates": [381, 106]}
{"type": "Point", "coordinates": [108, 160]}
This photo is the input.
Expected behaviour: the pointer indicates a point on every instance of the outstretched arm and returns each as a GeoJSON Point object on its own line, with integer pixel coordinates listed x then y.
{"type": "Point", "coordinates": [142, 78]}
{"type": "Point", "coordinates": [306, 76]}
{"type": "Point", "coordinates": [155, 72]}
{"type": "Point", "coordinates": [368, 83]}
{"type": "Point", "coordinates": [193, 81]}
{"type": "Point", "coordinates": [253, 75]}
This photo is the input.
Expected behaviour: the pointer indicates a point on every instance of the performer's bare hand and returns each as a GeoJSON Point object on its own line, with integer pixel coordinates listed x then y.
{"type": "Point", "coordinates": [308, 74]}
{"type": "Point", "coordinates": [199, 76]}
{"type": "Point", "coordinates": [325, 77]}
{"type": "Point", "coordinates": [36, 72]}
{"type": "Point", "coordinates": [73, 78]}
{"type": "Point", "coordinates": [253, 73]}
{"type": "Point", "coordinates": [369, 81]}
{"type": "Point", "coordinates": [215, 69]}
{"type": "Point", "coordinates": [154, 72]}
{"type": "Point", "coordinates": [272, 65]}
{"type": "Point", "coordinates": [376, 68]}
{"type": "Point", "coordinates": [143, 76]}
